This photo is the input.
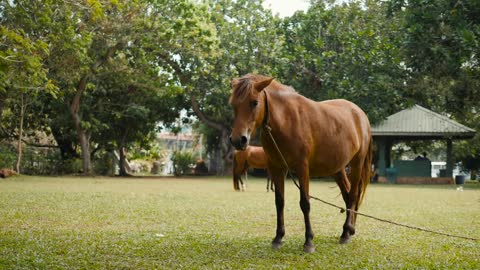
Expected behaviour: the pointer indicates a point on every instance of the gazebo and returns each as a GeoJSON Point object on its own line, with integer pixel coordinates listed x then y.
{"type": "Point", "coordinates": [416, 123]}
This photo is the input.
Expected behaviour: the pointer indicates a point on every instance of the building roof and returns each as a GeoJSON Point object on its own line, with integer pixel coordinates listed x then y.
{"type": "Point", "coordinates": [418, 122]}
{"type": "Point", "coordinates": [176, 137]}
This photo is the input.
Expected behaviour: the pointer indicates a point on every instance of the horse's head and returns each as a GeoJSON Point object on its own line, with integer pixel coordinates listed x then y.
{"type": "Point", "coordinates": [248, 107]}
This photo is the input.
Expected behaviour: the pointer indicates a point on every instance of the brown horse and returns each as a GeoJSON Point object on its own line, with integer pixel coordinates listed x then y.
{"type": "Point", "coordinates": [314, 138]}
{"type": "Point", "coordinates": [254, 157]}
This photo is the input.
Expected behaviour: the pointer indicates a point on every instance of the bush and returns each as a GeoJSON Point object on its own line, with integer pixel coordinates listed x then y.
{"type": "Point", "coordinates": [8, 156]}
{"type": "Point", "coordinates": [183, 162]}
{"type": "Point", "coordinates": [103, 163]}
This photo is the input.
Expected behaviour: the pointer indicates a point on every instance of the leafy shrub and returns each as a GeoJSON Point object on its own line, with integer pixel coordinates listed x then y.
{"type": "Point", "coordinates": [48, 161]}
{"type": "Point", "coordinates": [183, 161]}
{"type": "Point", "coordinates": [104, 163]}
{"type": "Point", "coordinates": [8, 156]}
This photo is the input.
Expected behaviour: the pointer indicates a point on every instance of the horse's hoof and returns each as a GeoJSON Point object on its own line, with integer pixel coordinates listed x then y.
{"type": "Point", "coordinates": [344, 240]}
{"type": "Point", "coordinates": [309, 248]}
{"type": "Point", "coordinates": [351, 229]}
{"type": "Point", "coordinates": [276, 245]}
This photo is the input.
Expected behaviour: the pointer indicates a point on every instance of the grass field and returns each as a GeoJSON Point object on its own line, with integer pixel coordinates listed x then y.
{"type": "Point", "coordinates": [118, 223]}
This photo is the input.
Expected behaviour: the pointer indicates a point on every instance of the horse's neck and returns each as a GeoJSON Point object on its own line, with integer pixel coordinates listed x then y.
{"type": "Point", "coordinates": [281, 103]}
{"type": "Point", "coordinates": [287, 108]}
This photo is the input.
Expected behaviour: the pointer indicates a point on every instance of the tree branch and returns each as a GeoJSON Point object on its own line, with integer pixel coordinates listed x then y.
{"type": "Point", "coordinates": [11, 60]}
{"type": "Point", "coordinates": [82, 84]}
{"type": "Point", "coordinates": [309, 72]}
{"type": "Point", "coordinates": [196, 109]}
{"type": "Point", "coordinates": [202, 117]}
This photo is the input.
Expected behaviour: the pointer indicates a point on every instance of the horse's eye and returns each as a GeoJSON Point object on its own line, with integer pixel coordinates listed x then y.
{"type": "Point", "coordinates": [254, 104]}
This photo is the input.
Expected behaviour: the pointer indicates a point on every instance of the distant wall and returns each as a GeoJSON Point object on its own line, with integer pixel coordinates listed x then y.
{"type": "Point", "coordinates": [410, 168]}
{"type": "Point", "coordinates": [415, 180]}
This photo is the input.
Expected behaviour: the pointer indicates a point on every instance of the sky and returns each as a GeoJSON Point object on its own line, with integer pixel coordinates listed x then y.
{"type": "Point", "coordinates": [286, 8]}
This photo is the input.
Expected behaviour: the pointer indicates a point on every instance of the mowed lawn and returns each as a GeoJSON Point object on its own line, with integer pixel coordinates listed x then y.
{"type": "Point", "coordinates": [201, 223]}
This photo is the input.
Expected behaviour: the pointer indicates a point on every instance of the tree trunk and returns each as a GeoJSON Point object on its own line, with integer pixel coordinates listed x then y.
{"type": "Point", "coordinates": [83, 137]}
{"type": "Point", "coordinates": [227, 153]}
{"type": "Point", "coordinates": [85, 145]}
{"type": "Point", "coordinates": [65, 144]}
{"type": "Point", "coordinates": [20, 134]}
{"type": "Point", "coordinates": [122, 162]}
{"type": "Point", "coordinates": [84, 140]}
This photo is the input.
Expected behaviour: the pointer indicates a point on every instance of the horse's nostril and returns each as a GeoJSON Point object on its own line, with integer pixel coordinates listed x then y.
{"type": "Point", "coordinates": [243, 140]}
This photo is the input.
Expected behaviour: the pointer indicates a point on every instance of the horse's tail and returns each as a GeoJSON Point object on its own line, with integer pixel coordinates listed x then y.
{"type": "Point", "coordinates": [366, 173]}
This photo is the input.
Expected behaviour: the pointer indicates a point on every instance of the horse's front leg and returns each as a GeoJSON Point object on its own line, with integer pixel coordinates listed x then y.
{"type": "Point", "coordinates": [269, 182]}
{"type": "Point", "coordinates": [236, 185]}
{"type": "Point", "coordinates": [244, 185]}
{"type": "Point", "coordinates": [279, 181]}
{"type": "Point", "coordinates": [304, 179]}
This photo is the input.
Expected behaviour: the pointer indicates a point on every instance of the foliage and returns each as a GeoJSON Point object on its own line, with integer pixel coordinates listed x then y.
{"type": "Point", "coordinates": [21, 60]}
{"type": "Point", "coordinates": [440, 49]}
{"type": "Point", "coordinates": [345, 51]}
{"type": "Point", "coordinates": [8, 156]}
{"type": "Point", "coordinates": [101, 74]}
{"type": "Point", "coordinates": [183, 162]}
{"type": "Point", "coordinates": [249, 42]}
{"type": "Point", "coordinates": [127, 45]}
{"type": "Point", "coordinates": [151, 152]}
{"type": "Point", "coordinates": [98, 223]}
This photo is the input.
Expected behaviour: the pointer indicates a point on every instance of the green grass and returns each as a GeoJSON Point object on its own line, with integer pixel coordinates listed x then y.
{"type": "Point", "coordinates": [115, 223]}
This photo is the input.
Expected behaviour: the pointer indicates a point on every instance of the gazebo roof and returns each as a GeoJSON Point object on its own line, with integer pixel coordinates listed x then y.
{"type": "Point", "coordinates": [418, 122]}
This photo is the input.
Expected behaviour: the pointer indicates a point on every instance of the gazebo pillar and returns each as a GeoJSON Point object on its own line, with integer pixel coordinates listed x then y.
{"type": "Point", "coordinates": [382, 164]}
{"type": "Point", "coordinates": [449, 168]}
{"type": "Point", "coordinates": [384, 145]}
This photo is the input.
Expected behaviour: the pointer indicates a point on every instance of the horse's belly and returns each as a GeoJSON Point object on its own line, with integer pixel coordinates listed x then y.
{"type": "Point", "coordinates": [321, 172]}
{"type": "Point", "coordinates": [326, 167]}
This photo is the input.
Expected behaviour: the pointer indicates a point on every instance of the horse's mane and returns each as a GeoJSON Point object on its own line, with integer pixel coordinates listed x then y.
{"type": "Point", "coordinates": [243, 86]}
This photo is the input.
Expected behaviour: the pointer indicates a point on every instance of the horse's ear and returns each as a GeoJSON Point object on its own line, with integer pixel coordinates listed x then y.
{"type": "Point", "coordinates": [262, 84]}
{"type": "Point", "coordinates": [235, 82]}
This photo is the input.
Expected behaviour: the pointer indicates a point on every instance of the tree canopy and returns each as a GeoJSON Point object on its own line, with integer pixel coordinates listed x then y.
{"type": "Point", "coordinates": [102, 74]}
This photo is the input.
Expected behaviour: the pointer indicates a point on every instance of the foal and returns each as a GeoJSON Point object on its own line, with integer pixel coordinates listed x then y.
{"type": "Point", "coordinates": [254, 157]}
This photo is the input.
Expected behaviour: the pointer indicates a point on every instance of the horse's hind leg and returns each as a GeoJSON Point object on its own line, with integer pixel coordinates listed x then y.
{"type": "Point", "coordinates": [268, 183]}
{"type": "Point", "coordinates": [351, 202]}
{"type": "Point", "coordinates": [236, 181]}
{"type": "Point", "coordinates": [346, 189]}
{"type": "Point", "coordinates": [343, 183]}
{"type": "Point", "coordinates": [244, 186]}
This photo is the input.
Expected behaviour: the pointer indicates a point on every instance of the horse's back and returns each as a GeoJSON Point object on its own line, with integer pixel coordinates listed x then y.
{"type": "Point", "coordinates": [257, 157]}
{"type": "Point", "coordinates": [340, 132]}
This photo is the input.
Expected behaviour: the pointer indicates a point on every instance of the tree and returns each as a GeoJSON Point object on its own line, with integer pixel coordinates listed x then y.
{"type": "Point", "coordinates": [127, 111]}
{"type": "Point", "coordinates": [440, 49]}
{"type": "Point", "coordinates": [22, 76]}
{"type": "Point", "coordinates": [87, 38]}
{"type": "Point", "coordinates": [248, 43]}
{"type": "Point", "coordinates": [345, 51]}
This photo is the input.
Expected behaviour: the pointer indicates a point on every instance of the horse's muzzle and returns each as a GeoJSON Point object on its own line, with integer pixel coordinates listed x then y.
{"type": "Point", "coordinates": [239, 143]}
